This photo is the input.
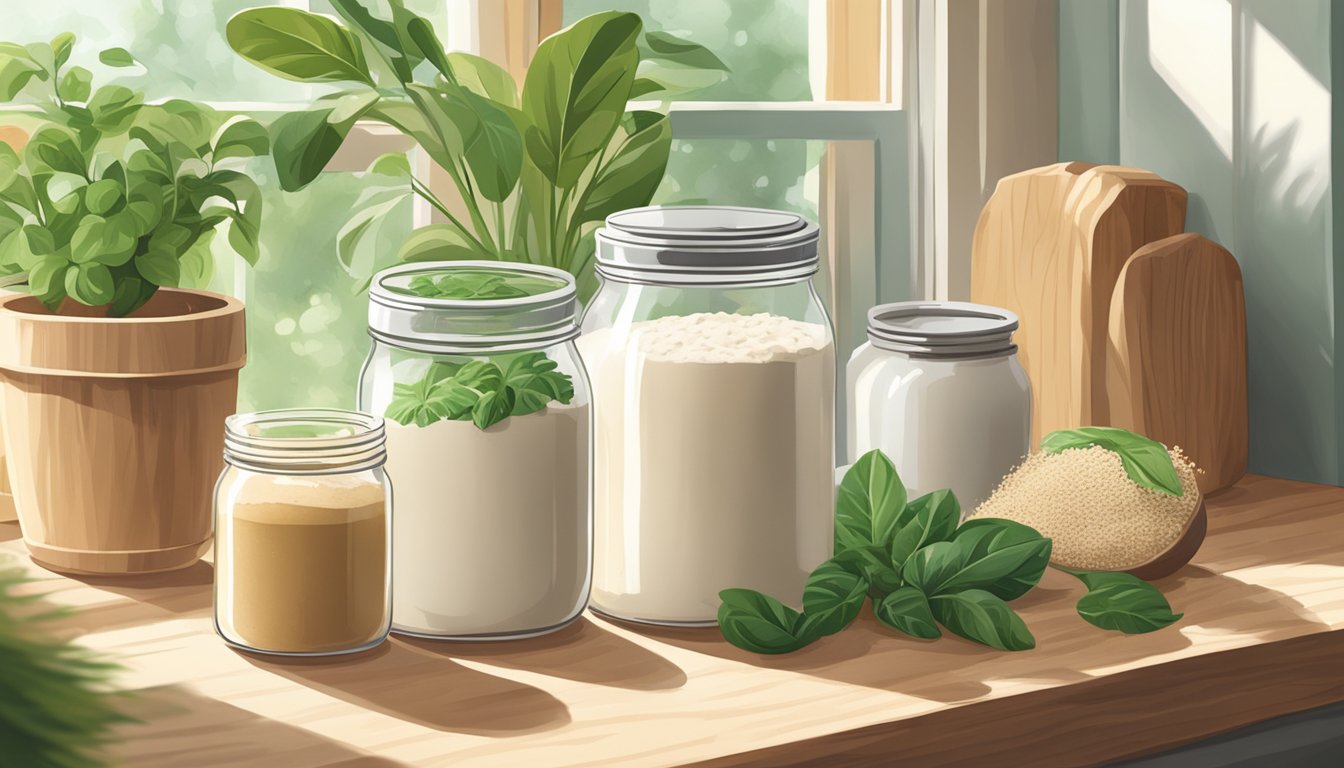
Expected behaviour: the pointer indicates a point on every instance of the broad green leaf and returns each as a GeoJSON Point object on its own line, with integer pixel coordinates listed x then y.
{"type": "Point", "coordinates": [114, 108]}
{"type": "Point", "coordinates": [197, 265]}
{"type": "Point", "coordinates": [980, 616]}
{"type": "Point", "coordinates": [834, 595]}
{"type": "Point", "coordinates": [669, 47]}
{"type": "Point", "coordinates": [47, 279]}
{"type": "Point", "coordinates": [493, 407]}
{"type": "Point", "coordinates": [995, 538]}
{"type": "Point", "coordinates": [907, 610]}
{"type": "Point", "coordinates": [1146, 461]}
{"type": "Point", "coordinates": [634, 172]}
{"type": "Point", "coordinates": [52, 149]}
{"type": "Point", "coordinates": [869, 503]}
{"type": "Point", "coordinates": [119, 240]}
{"type": "Point", "coordinates": [303, 142]}
{"type": "Point", "coordinates": [9, 166]}
{"type": "Point", "coordinates": [90, 284]}
{"type": "Point", "coordinates": [761, 624]}
{"type": "Point", "coordinates": [389, 42]}
{"type": "Point", "coordinates": [643, 86]}
{"type": "Point", "coordinates": [363, 241]}
{"type": "Point", "coordinates": [116, 57]}
{"type": "Point", "coordinates": [297, 45]}
{"type": "Point", "coordinates": [87, 242]}
{"type": "Point", "coordinates": [102, 196]}
{"type": "Point", "coordinates": [478, 129]}
{"type": "Point", "coordinates": [422, 36]}
{"type": "Point", "coordinates": [484, 78]}
{"type": "Point", "coordinates": [240, 137]}
{"type": "Point", "coordinates": [396, 164]}
{"type": "Point", "coordinates": [536, 382]}
{"type": "Point", "coordinates": [1124, 602]}
{"type": "Point", "coordinates": [62, 190]}
{"type": "Point", "coordinates": [176, 124]}
{"type": "Point", "coordinates": [245, 224]}
{"type": "Point", "coordinates": [875, 562]}
{"type": "Point", "coordinates": [159, 265]}
{"type": "Point", "coordinates": [76, 84]}
{"type": "Point", "coordinates": [439, 242]}
{"type": "Point", "coordinates": [15, 74]}
{"type": "Point", "coordinates": [575, 93]}
{"type": "Point", "coordinates": [131, 293]}
{"type": "Point", "coordinates": [998, 563]}
{"type": "Point", "coordinates": [930, 518]}
{"type": "Point", "coordinates": [61, 45]}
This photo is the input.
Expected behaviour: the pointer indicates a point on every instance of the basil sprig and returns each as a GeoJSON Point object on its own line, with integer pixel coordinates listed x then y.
{"type": "Point", "coordinates": [480, 391]}
{"type": "Point", "coordinates": [922, 570]}
{"type": "Point", "coordinates": [1146, 461]}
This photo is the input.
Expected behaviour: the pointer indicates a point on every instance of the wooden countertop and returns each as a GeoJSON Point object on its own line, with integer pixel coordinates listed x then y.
{"type": "Point", "coordinates": [1261, 637]}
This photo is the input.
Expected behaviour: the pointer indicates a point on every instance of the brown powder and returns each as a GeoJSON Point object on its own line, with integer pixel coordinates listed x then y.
{"type": "Point", "coordinates": [1097, 516]}
{"type": "Point", "coordinates": [302, 565]}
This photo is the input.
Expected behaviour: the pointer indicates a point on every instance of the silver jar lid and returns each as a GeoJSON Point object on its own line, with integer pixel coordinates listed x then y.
{"type": "Point", "coordinates": [706, 245]}
{"type": "Point", "coordinates": [399, 317]}
{"type": "Point", "coordinates": [942, 329]}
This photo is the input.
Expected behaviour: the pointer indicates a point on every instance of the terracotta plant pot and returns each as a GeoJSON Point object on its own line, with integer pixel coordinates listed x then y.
{"type": "Point", "coordinates": [114, 427]}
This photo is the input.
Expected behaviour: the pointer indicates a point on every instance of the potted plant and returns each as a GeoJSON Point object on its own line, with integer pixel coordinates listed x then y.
{"type": "Point", "coordinates": [536, 170]}
{"type": "Point", "coordinates": [116, 382]}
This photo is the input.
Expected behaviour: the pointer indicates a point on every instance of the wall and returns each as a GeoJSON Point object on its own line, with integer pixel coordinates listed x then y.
{"type": "Point", "coordinates": [1232, 100]}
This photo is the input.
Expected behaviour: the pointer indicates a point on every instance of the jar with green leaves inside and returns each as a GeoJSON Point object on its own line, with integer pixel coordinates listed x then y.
{"type": "Point", "coordinates": [473, 366]}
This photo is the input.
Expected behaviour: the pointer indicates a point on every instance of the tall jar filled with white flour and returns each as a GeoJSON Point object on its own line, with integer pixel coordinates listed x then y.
{"type": "Point", "coordinates": [486, 403]}
{"type": "Point", "coordinates": [713, 369]}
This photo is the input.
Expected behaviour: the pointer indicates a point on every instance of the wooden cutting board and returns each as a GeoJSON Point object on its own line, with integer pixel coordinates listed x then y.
{"type": "Point", "coordinates": [1049, 246]}
{"type": "Point", "coordinates": [1176, 365]}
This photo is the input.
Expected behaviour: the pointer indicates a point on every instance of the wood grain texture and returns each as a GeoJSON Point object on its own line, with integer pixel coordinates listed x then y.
{"type": "Point", "coordinates": [1262, 634]}
{"type": "Point", "coordinates": [114, 429]}
{"type": "Point", "coordinates": [1049, 246]}
{"type": "Point", "coordinates": [1177, 354]}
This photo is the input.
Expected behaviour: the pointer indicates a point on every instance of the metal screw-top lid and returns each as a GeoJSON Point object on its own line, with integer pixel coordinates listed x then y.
{"type": "Point", "coordinates": [543, 315]}
{"type": "Point", "coordinates": [706, 245]}
{"type": "Point", "coordinates": [942, 329]}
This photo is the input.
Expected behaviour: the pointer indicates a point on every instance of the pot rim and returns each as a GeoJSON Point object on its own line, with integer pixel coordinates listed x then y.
{"type": "Point", "coordinates": [231, 305]}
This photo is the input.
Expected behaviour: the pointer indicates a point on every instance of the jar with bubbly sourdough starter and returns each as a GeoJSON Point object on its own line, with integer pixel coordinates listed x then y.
{"type": "Point", "coordinates": [714, 384]}
{"type": "Point", "coordinates": [938, 388]}
{"type": "Point", "coordinates": [488, 433]}
{"type": "Point", "coordinates": [302, 514]}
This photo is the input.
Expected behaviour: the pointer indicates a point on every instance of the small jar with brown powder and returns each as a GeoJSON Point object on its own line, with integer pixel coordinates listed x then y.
{"type": "Point", "coordinates": [302, 545]}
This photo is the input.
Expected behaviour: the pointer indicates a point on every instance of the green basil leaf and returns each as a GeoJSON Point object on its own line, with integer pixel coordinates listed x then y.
{"type": "Point", "coordinates": [834, 595]}
{"type": "Point", "coordinates": [159, 265]}
{"type": "Point", "coordinates": [1124, 602]}
{"type": "Point", "coordinates": [575, 93]}
{"type": "Point", "coordinates": [536, 382]}
{"type": "Point", "coordinates": [131, 293]}
{"type": "Point", "coordinates": [89, 284]}
{"type": "Point", "coordinates": [870, 502]}
{"type": "Point", "coordinates": [61, 45]}
{"type": "Point", "coordinates": [761, 624]}
{"type": "Point", "coordinates": [979, 616]}
{"type": "Point", "coordinates": [47, 277]}
{"type": "Point", "coordinates": [53, 149]}
{"type": "Point", "coordinates": [1146, 461]}
{"type": "Point", "coordinates": [297, 45]}
{"type": "Point", "coordinates": [875, 563]}
{"type": "Point", "coordinates": [240, 137]}
{"type": "Point", "coordinates": [907, 610]}
{"type": "Point", "coordinates": [87, 242]}
{"type": "Point", "coordinates": [116, 57]}
{"type": "Point", "coordinates": [1010, 557]}
{"type": "Point", "coordinates": [15, 74]}
{"type": "Point", "coordinates": [102, 196]}
{"type": "Point", "coordinates": [930, 518]}
{"type": "Point", "coordinates": [493, 407]}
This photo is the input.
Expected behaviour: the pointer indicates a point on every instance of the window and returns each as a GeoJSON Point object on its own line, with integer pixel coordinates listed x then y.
{"type": "Point", "coordinates": [811, 119]}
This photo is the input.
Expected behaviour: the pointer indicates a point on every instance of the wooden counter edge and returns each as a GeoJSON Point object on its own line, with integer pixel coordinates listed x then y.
{"type": "Point", "coordinates": [1128, 714]}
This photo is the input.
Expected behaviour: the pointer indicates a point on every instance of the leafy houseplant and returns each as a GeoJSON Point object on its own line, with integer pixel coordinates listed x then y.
{"type": "Point", "coordinates": [922, 570]}
{"type": "Point", "coordinates": [118, 392]}
{"type": "Point", "coordinates": [53, 706]}
{"type": "Point", "coordinates": [536, 171]}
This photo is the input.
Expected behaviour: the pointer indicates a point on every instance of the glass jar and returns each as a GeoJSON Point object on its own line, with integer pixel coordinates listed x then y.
{"type": "Point", "coordinates": [938, 388]}
{"type": "Point", "coordinates": [302, 533]}
{"type": "Point", "coordinates": [713, 370]}
{"type": "Point", "coordinates": [489, 436]}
